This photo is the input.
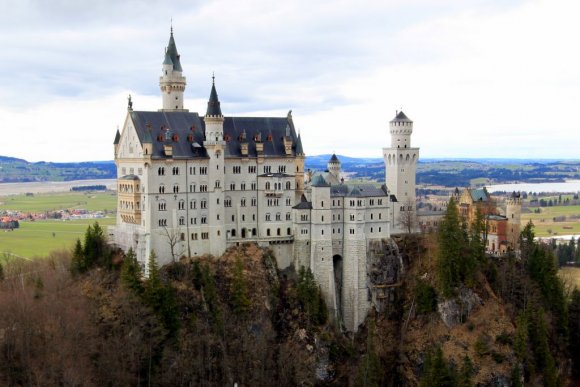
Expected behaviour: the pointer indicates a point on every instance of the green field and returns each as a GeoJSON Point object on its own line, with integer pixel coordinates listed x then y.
{"type": "Point", "coordinates": [571, 275]}
{"type": "Point", "coordinates": [36, 239]}
{"type": "Point", "coordinates": [57, 201]}
{"type": "Point", "coordinates": [39, 238]}
{"type": "Point", "coordinates": [544, 221]}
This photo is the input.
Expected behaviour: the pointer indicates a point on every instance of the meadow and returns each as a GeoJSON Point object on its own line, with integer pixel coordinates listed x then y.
{"type": "Point", "coordinates": [546, 226]}
{"type": "Point", "coordinates": [571, 276]}
{"type": "Point", "coordinates": [38, 238]}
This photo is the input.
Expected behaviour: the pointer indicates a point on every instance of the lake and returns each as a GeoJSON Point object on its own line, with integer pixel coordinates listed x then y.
{"type": "Point", "coordinates": [567, 186]}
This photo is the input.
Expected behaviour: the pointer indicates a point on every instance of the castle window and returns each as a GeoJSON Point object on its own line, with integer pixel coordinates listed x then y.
{"type": "Point", "coordinates": [161, 171]}
{"type": "Point", "coordinates": [322, 203]}
{"type": "Point", "coordinates": [371, 229]}
{"type": "Point", "coordinates": [181, 205]}
{"type": "Point", "coordinates": [228, 202]}
{"type": "Point", "coordinates": [203, 188]}
{"type": "Point", "coordinates": [162, 222]}
{"type": "Point", "coordinates": [192, 205]}
{"type": "Point", "coordinates": [243, 186]}
{"type": "Point", "coordinates": [380, 215]}
{"type": "Point", "coordinates": [268, 232]}
{"type": "Point", "coordinates": [232, 186]}
{"type": "Point", "coordinates": [254, 202]}
{"type": "Point", "coordinates": [203, 204]}
{"type": "Point", "coordinates": [243, 202]}
{"type": "Point", "coordinates": [175, 188]}
{"type": "Point", "coordinates": [267, 185]}
{"type": "Point", "coordinates": [267, 169]}
{"type": "Point", "coordinates": [193, 221]}
{"type": "Point", "coordinates": [192, 170]}
{"type": "Point", "coordinates": [321, 232]}
{"type": "Point", "coordinates": [182, 221]}
{"type": "Point", "coordinates": [288, 216]}
{"type": "Point", "coordinates": [194, 236]}
{"type": "Point", "coordinates": [175, 170]}
{"type": "Point", "coordinates": [278, 232]}
{"type": "Point", "coordinates": [237, 169]}
{"type": "Point", "coordinates": [371, 216]}
{"type": "Point", "coordinates": [192, 188]}
{"type": "Point", "coordinates": [252, 169]}
{"type": "Point", "coordinates": [282, 169]}
{"type": "Point", "coordinates": [205, 235]}
{"type": "Point", "coordinates": [268, 217]}
{"type": "Point", "coordinates": [203, 170]}
{"type": "Point", "coordinates": [254, 186]}
{"type": "Point", "coordinates": [288, 231]}
{"type": "Point", "coordinates": [161, 188]}
{"type": "Point", "coordinates": [380, 202]}
{"type": "Point", "coordinates": [278, 216]}
{"type": "Point", "coordinates": [352, 217]}
{"type": "Point", "coordinates": [217, 183]}
{"type": "Point", "coordinates": [204, 220]}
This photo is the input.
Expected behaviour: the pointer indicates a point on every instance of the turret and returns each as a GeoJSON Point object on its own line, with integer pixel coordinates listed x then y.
{"type": "Point", "coordinates": [214, 119]}
{"type": "Point", "coordinates": [172, 82]}
{"type": "Point", "coordinates": [401, 129]}
{"type": "Point", "coordinates": [513, 214]}
{"type": "Point", "coordinates": [334, 166]}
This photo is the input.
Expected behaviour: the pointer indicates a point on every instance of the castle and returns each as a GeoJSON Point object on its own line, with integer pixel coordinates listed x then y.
{"type": "Point", "coordinates": [190, 185]}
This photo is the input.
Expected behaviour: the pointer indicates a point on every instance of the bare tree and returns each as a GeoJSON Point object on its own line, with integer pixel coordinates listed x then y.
{"type": "Point", "coordinates": [408, 219]}
{"type": "Point", "coordinates": [173, 237]}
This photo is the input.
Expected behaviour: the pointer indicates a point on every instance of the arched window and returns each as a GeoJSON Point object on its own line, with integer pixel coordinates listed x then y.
{"type": "Point", "coordinates": [288, 185]}
{"type": "Point", "coordinates": [267, 185]}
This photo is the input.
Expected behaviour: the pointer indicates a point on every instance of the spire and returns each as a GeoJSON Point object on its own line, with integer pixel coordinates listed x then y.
{"type": "Point", "coordinates": [117, 137]}
{"type": "Point", "coordinates": [171, 55]}
{"type": "Point", "coordinates": [299, 150]}
{"type": "Point", "coordinates": [213, 105]}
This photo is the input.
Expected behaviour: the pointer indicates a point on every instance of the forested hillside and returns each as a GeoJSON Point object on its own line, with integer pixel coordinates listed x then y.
{"type": "Point", "coordinates": [458, 318]}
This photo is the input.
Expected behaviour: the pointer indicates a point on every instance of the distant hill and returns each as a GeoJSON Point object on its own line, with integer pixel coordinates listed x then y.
{"type": "Point", "coordinates": [446, 172]}
{"type": "Point", "coordinates": [14, 170]}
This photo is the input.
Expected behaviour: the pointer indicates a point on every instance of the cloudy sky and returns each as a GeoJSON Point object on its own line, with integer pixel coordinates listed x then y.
{"type": "Point", "coordinates": [479, 78]}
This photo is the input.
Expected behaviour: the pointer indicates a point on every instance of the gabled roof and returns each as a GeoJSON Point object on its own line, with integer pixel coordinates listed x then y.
{"type": "Point", "coordinates": [272, 130]}
{"type": "Point", "coordinates": [479, 195]}
{"type": "Point", "coordinates": [401, 117]}
{"type": "Point", "coordinates": [361, 190]}
{"type": "Point", "coordinates": [299, 149]}
{"type": "Point", "coordinates": [318, 181]}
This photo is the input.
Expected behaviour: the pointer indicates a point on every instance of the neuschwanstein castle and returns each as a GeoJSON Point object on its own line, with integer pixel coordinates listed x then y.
{"type": "Point", "coordinates": [191, 184]}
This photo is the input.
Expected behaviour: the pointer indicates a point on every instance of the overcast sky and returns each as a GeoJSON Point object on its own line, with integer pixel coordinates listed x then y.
{"type": "Point", "coordinates": [479, 78]}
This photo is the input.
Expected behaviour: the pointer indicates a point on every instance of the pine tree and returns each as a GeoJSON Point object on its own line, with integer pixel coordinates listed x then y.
{"type": "Point", "coordinates": [574, 328]}
{"type": "Point", "coordinates": [239, 290]}
{"type": "Point", "coordinates": [437, 372]}
{"type": "Point", "coordinates": [78, 259]}
{"type": "Point", "coordinates": [452, 246]}
{"type": "Point", "coordinates": [465, 373]}
{"type": "Point", "coordinates": [131, 273]}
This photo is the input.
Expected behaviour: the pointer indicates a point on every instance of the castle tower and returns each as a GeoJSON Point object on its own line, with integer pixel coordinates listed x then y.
{"type": "Point", "coordinates": [172, 82]}
{"type": "Point", "coordinates": [214, 144]}
{"type": "Point", "coordinates": [400, 166]}
{"type": "Point", "coordinates": [334, 168]}
{"type": "Point", "coordinates": [513, 214]}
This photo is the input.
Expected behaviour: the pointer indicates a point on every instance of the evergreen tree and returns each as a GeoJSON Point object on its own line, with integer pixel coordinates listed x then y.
{"type": "Point", "coordinates": [574, 328]}
{"type": "Point", "coordinates": [309, 296]}
{"type": "Point", "coordinates": [78, 264]}
{"type": "Point", "coordinates": [452, 248]}
{"type": "Point", "coordinates": [436, 372]}
{"type": "Point", "coordinates": [466, 373]}
{"type": "Point", "coordinates": [239, 289]}
{"type": "Point", "coordinates": [160, 296]}
{"type": "Point", "coordinates": [131, 273]}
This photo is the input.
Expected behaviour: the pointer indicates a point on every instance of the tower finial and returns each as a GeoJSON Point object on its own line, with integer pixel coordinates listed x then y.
{"type": "Point", "coordinates": [213, 78]}
{"type": "Point", "coordinates": [171, 23]}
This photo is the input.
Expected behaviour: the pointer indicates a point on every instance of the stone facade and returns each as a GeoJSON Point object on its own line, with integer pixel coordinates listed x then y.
{"type": "Point", "coordinates": [191, 185]}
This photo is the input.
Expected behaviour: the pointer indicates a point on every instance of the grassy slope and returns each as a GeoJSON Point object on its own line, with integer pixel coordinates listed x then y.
{"type": "Point", "coordinates": [571, 276]}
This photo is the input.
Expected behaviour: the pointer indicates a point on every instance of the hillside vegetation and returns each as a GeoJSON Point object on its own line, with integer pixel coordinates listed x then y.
{"type": "Point", "coordinates": [237, 319]}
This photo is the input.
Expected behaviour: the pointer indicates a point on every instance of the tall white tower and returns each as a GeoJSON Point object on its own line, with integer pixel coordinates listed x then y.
{"type": "Point", "coordinates": [172, 82]}
{"type": "Point", "coordinates": [400, 168]}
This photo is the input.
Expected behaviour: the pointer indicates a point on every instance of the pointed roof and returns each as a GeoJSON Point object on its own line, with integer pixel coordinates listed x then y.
{"type": "Point", "coordinates": [171, 55]}
{"type": "Point", "coordinates": [401, 117]}
{"type": "Point", "coordinates": [117, 137]}
{"type": "Point", "coordinates": [213, 105]}
{"type": "Point", "coordinates": [334, 159]}
{"type": "Point", "coordinates": [319, 181]}
{"type": "Point", "coordinates": [299, 149]}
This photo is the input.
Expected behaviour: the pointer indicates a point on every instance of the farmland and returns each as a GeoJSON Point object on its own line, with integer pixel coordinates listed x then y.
{"type": "Point", "coordinates": [544, 222]}
{"type": "Point", "coordinates": [36, 238]}
{"type": "Point", "coordinates": [571, 276]}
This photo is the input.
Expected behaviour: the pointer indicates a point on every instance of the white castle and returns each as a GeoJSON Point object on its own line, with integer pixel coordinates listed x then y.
{"type": "Point", "coordinates": [190, 185]}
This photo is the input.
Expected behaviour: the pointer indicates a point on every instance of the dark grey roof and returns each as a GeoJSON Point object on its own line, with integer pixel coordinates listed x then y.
{"type": "Point", "coordinates": [318, 181]}
{"type": "Point", "coordinates": [362, 190]}
{"type": "Point", "coordinates": [213, 105]}
{"type": "Point", "coordinates": [334, 159]}
{"type": "Point", "coordinates": [117, 137]}
{"type": "Point", "coordinates": [299, 150]}
{"type": "Point", "coordinates": [496, 217]}
{"type": "Point", "coordinates": [151, 125]}
{"type": "Point", "coordinates": [129, 177]}
{"type": "Point", "coordinates": [393, 198]}
{"type": "Point", "coordinates": [276, 174]}
{"type": "Point", "coordinates": [304, 204]}
{"type": "Point", "coordinates": [480, 195]}
{"type": "Point", "coordinates": [171, 55]}
{"type": "Point", "coordinates": [401, 117]}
